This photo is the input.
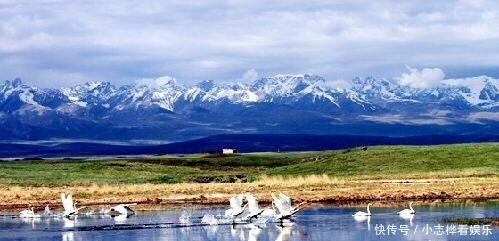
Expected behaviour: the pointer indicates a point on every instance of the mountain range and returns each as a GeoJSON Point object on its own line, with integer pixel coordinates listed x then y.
{"type": "Point", "coordinates": [281, 104]}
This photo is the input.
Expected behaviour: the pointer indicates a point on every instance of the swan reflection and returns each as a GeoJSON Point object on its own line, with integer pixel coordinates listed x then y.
{"type": "Point", "coordinates": [120, 219]}
{"type": "Point", "coordinates": [68, 236]}
{"type": "Point", "coordinates": [237, 232]}
{"type": "Point", "coordinates": [408, 216]}
{"type": "Point", "coordinates": [361, 219]}
{"type": "Point", "coordinates": [69, 222]}
{"type": "Point", "coordinates": [285, 231]}
{"type": "Point", "coordinates": [254, 232]}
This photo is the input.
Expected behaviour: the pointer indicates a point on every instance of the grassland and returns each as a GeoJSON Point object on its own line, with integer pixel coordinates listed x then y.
{"type": "Point", "coordinates": [155, 170]}
{"type": "Point", "coordinates": [383, 173]}
{"type": "Point", "coordinates": [403, 162]}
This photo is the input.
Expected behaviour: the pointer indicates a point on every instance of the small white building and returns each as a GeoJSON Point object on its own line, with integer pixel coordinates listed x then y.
{"type": "Point", "coordinates": [228, 151]}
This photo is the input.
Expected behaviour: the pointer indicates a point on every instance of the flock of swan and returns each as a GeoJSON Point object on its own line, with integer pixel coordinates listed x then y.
{"type": "Point", "coordinates": [280, 210]}
{"type": "Point", "coordinates": [409, 211]}
{"type": "Point", "coordinates": [70, 209]}
{"type": "Point", "coordinates": [244, 208]}
{"type": "Point", "coordinates": [407, 214]}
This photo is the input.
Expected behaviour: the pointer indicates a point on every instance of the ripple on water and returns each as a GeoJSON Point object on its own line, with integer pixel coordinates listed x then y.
{"type": "Point", "coordinates": [321, 223]}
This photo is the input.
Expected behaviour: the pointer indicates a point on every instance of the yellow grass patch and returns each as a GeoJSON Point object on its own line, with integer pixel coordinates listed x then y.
{"type": "Point", "coordinates": [312, 188]}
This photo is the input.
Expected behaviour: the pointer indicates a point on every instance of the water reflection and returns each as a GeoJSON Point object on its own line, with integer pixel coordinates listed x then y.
{"type": "Point", "coordinates": [70, 222]}
{"type": "Point", "coordinates": [361, 219]}
{"type": "Point", "coordinates": [30, 220]}
{"type": "Point", "coordinates": [285, 232]}
{"type": "Point", "coordinates": [211, 231]}
{"type": "Point", "coordinates": [120, 219]}
{"type": "Point", "coordinates": [68, 236]}
{"type": "Point", "coordinates": [237, 232]}
{"type": "Point", "coordinates": [408, 217]}
{"type": "Point", "coordinates": [254, 232]}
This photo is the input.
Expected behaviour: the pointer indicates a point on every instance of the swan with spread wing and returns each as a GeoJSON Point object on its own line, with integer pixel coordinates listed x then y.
{"type": "Point", "coordinates": [69, 206]}
{"type": "Point", "coordinates": [283, 205]}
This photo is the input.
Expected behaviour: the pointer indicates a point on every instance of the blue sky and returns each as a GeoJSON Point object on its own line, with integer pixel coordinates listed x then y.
{"type": "Point", "coordinates": [54, 43]}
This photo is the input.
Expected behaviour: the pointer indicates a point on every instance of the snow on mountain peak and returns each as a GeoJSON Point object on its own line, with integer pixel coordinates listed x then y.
{"type": "Point", "coordinates": [476, 90]}
{"type": "Point", "coordinates": [91, 85]}
{"type": "Point", "coordinates": [377, 88]}
{"type": "Point", "coordinates": [305, 90]}
{"type": "Point", "coordinates": [283, 86]}
{"type": "Point", "coordinates": [95, 93]}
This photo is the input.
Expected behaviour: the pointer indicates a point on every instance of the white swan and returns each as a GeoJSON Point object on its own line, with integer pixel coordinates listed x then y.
{"type": "Point", "coordinates": [360, 213]}
{"type": "Point", "coordinates": [184, 218]}
{"type": "Point", "coordinates": [123, 209]}
{"type": "Point", "coordinates": [28, 213]}
{"type": "Point", "coordinates": [236, 206]}
{"type": "Point", "coordinates": [209, 219]}
{"type": "Point", "coordinates": [406, 211]}
{"type": "Point", "coordinates": [69, 206]}
{"type": "Point", "coordinates": [269, 212]}
{"type": "Point", "coordinates": [283, 205]}
{"type": "Point", "coordinates": [47, 211]}
{"type": "Point", "coordinates": [253, 208]}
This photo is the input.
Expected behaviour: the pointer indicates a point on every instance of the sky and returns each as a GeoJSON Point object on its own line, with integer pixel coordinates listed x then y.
{"type": "Point", "coordinates": [52, 43]}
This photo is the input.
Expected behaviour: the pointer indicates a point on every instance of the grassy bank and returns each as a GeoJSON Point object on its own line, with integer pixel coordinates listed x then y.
{"type": "Point", "coordinates": [384, 172]}
{"type": "Point", "coordinates": [155, 170]}
{"type": "Point", "coordinates": [403, 161]}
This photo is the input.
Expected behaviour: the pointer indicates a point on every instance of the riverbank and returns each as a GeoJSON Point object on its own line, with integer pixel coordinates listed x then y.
{"type": "Point", "coordinates": [312, 189]}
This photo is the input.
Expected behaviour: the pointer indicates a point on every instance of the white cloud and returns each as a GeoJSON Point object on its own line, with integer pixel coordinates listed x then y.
{"type": "Point", "coordinates": [337, 84]}
{"type": "Point", "coordinates": [249, 76]}
{"type": "Point", "coordinates": [424, 78]}
{"type": "Point", "coordinates": [155, 82]}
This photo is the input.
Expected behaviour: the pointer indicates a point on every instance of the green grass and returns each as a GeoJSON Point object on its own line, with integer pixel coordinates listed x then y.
{"type": "Point", "coordinates": [382, 161]}
{"type": "Point", "coordinates": [396, 161]}
{"type": "Point", "coordinates": [168, 169]}
{"type": "Point", "coordinates": [41, 173]}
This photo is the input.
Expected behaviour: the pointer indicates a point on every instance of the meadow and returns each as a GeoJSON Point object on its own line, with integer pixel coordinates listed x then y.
{"type": "Point", "coordinates": [380, 172]}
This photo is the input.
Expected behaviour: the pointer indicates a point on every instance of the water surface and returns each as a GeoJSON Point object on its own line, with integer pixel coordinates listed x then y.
{"type": "Point", "coordinates": [318, 223]}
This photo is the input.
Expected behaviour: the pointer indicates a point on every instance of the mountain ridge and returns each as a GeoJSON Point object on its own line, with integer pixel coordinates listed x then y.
{"type": "Point", "coordinates": [276, 104]}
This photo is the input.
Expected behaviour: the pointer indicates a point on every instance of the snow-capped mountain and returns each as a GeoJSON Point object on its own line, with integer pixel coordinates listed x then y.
{"type": "Point", "coordinates": [302, 103]}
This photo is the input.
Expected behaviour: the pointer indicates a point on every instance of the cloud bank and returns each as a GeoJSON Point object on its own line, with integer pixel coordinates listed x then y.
{"type": "Point", "coordinates": [61, 43]}
{"type": "Point", "coordinates": [423, 79]}
{"type": "Point", "coordinates": [156, 82]}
